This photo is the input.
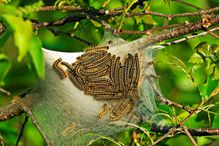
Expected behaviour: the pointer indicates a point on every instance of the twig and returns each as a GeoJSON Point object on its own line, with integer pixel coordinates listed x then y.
{"type": "Point", "coordinates": [124, 14]}
{"type": "Point", "coordinates": [164, 100]}
{"type": "Point", "coordinates": [170, 16]}
{"type": "Point", "coordinates": [192, 131]}
{"type": "Point", "coordinates": [10, 111]}
{"type": "Point", "coordinates": [72, 35]}
{"type": "Point", "coordinates": [21, 131]}
{"type": "Point", "coordinates": [62, 21]}
{"type": "Point", "coordinates": [100, 12]}
{"type": "Point", "coordinates": [150, 31]}
{"type": "Point", "coordinates": [38, 127]}
{"type": "Point", "coordinates": [190, 37]}
{"type": "Point", "coordinates": [175, 32]}
{"type": "Point", "coordinates": [1, 140]}
{"type": "Point", "coordinates": [114, 12]}
{"type": "Point", "coordinates": [213, 34]}
{"type": "Point", "coordinates": [171, 131]}
{"type": "Point", "coordinates": [72, 18]}
{"type": "Point", "coordinates": [188, 134]}
{"type": "Point", "coordinates": [4, 91]}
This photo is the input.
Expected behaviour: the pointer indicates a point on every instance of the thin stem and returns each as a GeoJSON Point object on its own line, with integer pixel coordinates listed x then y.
{"type": "Point", "coordinates": [189, 135]}
{"type": "Point", "coordinates": [22, 130]}
{"type": "Point", "coordinates": [72, 35]}
{"type": "Point", "coordinates": [124, 14]}
{"type": "Point", "coordinates": [4, 91]}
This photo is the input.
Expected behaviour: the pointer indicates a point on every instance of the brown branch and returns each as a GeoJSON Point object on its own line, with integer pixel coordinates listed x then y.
{"type": "Point", "coordinates": [11, 110]}
{"type": "Point", "coordinates": [4, 91]}
{"type": "Point", "coordinates": [185, 129]}
{"type": "Point", "coordinates": [100, 12]}
{"type": "Point", "coordinates": [150, 31]}
{"type": "Point", "coordinates": [192, 36]}
{"type": "Point", "coordinates": [71, 18]}
{"type": "Point", "coordinates": [175, 32]}
{"type": "Point", "coordinates": [34, 121]}
{"type": "Point", "coordinates": [115, 12]}
{"type": "Point", "coordinates": [62, 21]}
{"type": "Point", "coordinates": [164, 100]}
{"type": "Point", "coordinates": [170, 16]}
{"type": "Point", "coordinates": [167, 133]}
{"type": "Point", "coordinates": [17, 107]}
{"type": "Point", "coordinates": [192, 131]}
{"type": "Point", "coordinates": [71, 35]}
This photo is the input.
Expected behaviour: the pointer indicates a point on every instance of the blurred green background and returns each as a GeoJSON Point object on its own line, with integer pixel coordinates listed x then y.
{"type": "Point", "coordinates": [173, 65]}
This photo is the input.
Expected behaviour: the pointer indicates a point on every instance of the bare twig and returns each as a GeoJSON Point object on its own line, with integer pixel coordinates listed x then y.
{"type": "Point", "coordinates": [4, 91]}
{"type": "Point", "coordinates": [114, 12]}
{"type": "Point", "coordinates": [10, 111]}
{"type": "Point", "coordinates": [22, 130]}
{"type": "Point", "coordinates": [150, 31]}
{"type": "Point", "coordinates": [188, 134]}
{"type": "Point", "coordinates": [62, 21]}
{"type": "Point", "coordinates": [39, 128]}
{"type": "Point", "coordinates": [190, 37]}
{"type": "Point", "coordinates": [72, 35]}
{"type": "Point", "coordinates": [171, 131]}
{"type": "Point", "coordinates": [192, 131]}
{"type": "Point", "coordinates": [72, 18]}
{"type": "Point", "coordinates": [164, 100]}
{"type": "Point", "coordinates": [170, 16]}
{"type": "Point", "coordinates": [175, 32]}
{"type": "Point", "coordinates": [213, 34]}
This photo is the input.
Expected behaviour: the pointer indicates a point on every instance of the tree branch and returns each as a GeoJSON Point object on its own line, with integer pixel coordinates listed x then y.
{"type": "Point", "coordinates": [4, 91]}
{"type": "Point", "coordinates": [10, 111]}
{"type": "Point", "coordinates": [170, 16]}
{"type": "Point", "coordinates": [192, 131]}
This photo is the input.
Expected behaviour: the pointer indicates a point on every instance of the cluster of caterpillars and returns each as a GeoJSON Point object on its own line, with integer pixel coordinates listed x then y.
{"type": "Point", "coordinates": [100, 74]}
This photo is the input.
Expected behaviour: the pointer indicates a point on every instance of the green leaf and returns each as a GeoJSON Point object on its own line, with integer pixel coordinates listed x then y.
{"type": "Point", "coordinates": [202, 47]}
{"type": "Point", "coordinates": [148, 20]}
{"type": "Point", "coordinates": [4, 37]}
{"type": "Point", "coordinates": [22, 32]}
{"type": "Point", "coordinates": [207, 88]}
{"type": "Point", "coordinates": [37, 56]}
{"type": "Point", "coordinates": [4, 66]}
{"type": "Point", "coordinates": [167, 109]}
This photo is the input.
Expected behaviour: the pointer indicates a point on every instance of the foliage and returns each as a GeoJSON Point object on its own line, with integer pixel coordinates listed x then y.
{"type": "Point", "coordinates": [186, 77]}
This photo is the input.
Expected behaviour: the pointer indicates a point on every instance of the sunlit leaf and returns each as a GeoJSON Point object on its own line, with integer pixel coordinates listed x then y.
{"type": "Point", "coordinates": [22, 31]}
{"type": "Point", "coordinates": [196, 59]}
{"type": "Point", "coordinates": [148, 20]}
{"type": "Point", "coordinates": [8, 9]}
{"type": "Point", "coordinates": [37, 56]}
{"type": "Point", "coordinates": [216, 73]}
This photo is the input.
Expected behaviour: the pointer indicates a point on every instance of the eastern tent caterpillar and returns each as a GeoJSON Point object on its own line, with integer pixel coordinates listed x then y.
{"type": "Point", "coordinates": [100, 74]}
